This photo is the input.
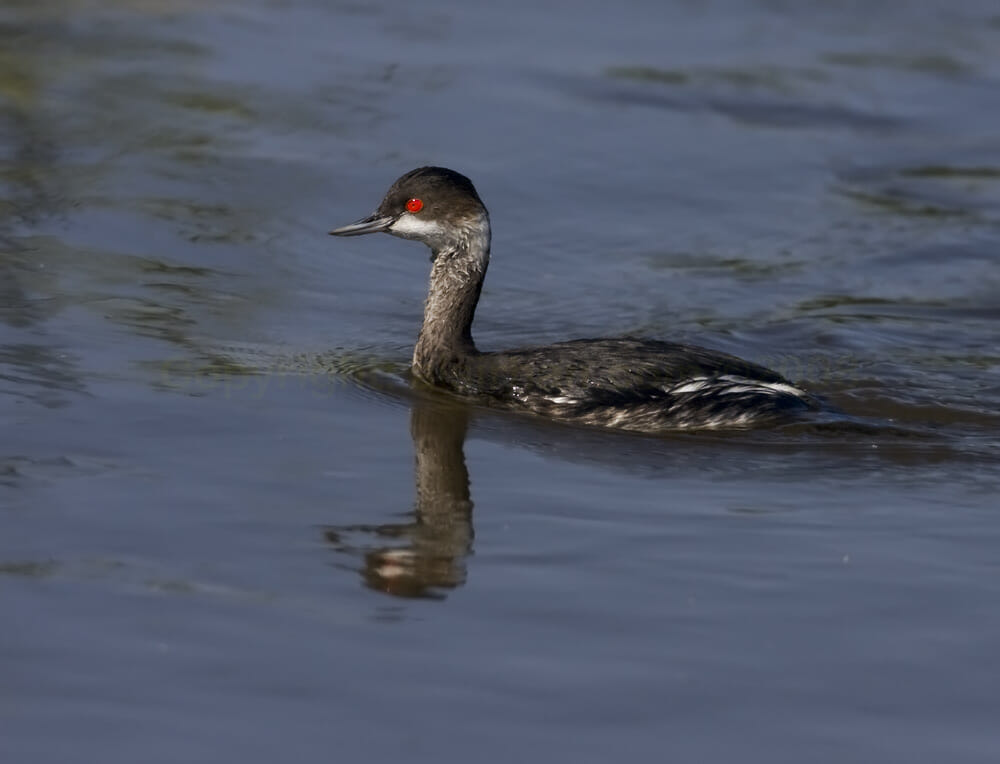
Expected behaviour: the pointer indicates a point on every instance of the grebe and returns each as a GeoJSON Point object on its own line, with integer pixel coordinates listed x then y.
{"type": "Point", "coordinates": [628, 383]}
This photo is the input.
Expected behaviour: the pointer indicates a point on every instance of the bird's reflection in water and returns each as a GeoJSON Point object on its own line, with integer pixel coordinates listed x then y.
{"type": "Point", "coordinates": [425, 557]}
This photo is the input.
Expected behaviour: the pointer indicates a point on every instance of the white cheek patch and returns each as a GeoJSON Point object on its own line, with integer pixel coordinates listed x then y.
{"type": "Point", "coordinates": [414, 227]}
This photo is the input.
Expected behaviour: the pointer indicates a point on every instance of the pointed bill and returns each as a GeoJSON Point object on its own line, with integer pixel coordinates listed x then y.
{"type": "Point", "coordinates": [374, 223]}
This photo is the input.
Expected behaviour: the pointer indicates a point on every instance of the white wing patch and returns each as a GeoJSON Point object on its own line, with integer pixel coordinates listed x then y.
{"type": "Point", "coordinates": [724, 384]}
{"type": "Point", "coordinates": [563, 400]}
{"type": "Point", "coordinates": [693, 385]}
{"type": "Point", "coordinates": [731, 384]}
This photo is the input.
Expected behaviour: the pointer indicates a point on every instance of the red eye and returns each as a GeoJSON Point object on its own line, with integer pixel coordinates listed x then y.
{"type": "Point", "coordinates": [414, 205]}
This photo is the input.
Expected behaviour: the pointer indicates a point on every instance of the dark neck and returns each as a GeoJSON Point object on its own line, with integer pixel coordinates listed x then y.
{"type": "Point", "coordinates": [456, 280]}
{"type": "Point", "coordinates": [442, 534]}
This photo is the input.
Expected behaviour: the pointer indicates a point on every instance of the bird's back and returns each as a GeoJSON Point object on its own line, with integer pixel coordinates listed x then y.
{"type": "Point", "coordinates": [629, 383]}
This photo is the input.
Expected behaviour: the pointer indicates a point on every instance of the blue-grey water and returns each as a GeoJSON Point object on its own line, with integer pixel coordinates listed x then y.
{"type": "Point", "coordinates": [231, 532]}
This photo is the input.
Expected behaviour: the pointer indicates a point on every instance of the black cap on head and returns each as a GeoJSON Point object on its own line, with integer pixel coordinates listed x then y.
{"type": "Point", "coordinates": [425, 203]}
{"type": "Point", "coordinates": [441, 190]}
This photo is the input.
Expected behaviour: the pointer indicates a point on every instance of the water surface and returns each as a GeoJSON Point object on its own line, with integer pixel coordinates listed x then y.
{"type": "Point", "coordinates": [233, 532]}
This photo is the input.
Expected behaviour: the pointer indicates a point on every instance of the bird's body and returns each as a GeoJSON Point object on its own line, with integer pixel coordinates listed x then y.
{"type": "Point", "coordinates": [627, 383]}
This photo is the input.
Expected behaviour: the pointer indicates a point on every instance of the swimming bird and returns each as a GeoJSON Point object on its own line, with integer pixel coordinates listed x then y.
{"type": "Point", "coordinates": [627, 383]}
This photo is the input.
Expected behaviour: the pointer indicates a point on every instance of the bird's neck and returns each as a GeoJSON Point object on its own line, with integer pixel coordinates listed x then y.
{"type": "Point", "coordinates": [457, 274]}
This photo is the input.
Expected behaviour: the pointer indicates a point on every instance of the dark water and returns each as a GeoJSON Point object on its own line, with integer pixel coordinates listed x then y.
{"type": "Point", "coordinates": [230, 532]}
